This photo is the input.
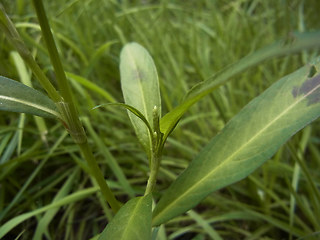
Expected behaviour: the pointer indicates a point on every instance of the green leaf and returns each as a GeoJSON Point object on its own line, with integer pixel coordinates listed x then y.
{"type": "Point", "coordinates": [17, 97]}
{"type": "Point", "coordinates": [140, 87]}
{"type": "Point", "coordinates": [132, 222]}
{"type": "Point", "coordinates": [246, 142]}
{"type": "Point", "coordinates": [133, 110]}
{"type": "Point", "coordinates": [291, 44]}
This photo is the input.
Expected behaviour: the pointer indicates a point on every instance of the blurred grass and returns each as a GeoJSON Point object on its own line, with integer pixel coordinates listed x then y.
{"type": "Point", "coordinates": [189, 41]}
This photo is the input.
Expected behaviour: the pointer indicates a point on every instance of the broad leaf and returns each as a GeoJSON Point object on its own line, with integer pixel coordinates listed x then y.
{"type": "Point", "coordinates": [132, 222]}
{"type": "Point", "coordinates": [246, 142]}
{"type": "Point", "coordinates": [293, 43]}
{"type": "Point", "coordinates": [140, 87]}
{"type": "Point", "coordinates": [17, 97]}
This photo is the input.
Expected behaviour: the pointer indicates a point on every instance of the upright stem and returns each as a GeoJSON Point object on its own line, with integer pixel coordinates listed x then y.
{"type": "Point", "coordinates": [155, 164]}
{"type": "Point", "coordinates": [65, 103]}
{"type": "Point", "coordinates": [95, 171]}
{"type": "Point", "coordinates": [53, 52]}
{"type": "Point", "coordinates": [156, 150]}
{"type": "Point", "coordinates": [14, 38]}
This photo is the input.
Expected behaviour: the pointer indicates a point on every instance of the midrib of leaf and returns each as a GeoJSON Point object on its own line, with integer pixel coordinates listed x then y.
{"type": "Point", "coordinates": [48, 110]}
{"type": "Point", "coordinates": [140, 86]}
{"type": "Point", "coordinates": [240, 148]}
{"type": "Point", "coordinates": [131, 218]}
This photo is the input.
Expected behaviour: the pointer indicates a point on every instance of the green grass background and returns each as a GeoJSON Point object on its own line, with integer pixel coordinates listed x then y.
{"type": "Point", "coordinates": [189, 42]}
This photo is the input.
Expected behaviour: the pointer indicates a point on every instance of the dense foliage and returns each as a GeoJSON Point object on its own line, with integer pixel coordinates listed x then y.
{"type": "Point", "coordinates": [189, 42]}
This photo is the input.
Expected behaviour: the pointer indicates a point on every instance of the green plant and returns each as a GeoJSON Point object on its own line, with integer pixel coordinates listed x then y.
{"type": "Point", "coordinates": [248, 140]}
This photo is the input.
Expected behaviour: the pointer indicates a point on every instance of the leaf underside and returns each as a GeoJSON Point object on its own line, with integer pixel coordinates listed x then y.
{"type": "Point", "coordinates": [246, 142]}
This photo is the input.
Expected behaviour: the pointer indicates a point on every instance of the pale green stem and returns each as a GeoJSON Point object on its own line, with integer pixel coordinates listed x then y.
{"type": "Point", "coordinates": [154, 168]}
{"type": "Point", "coordinates": [156, 150]}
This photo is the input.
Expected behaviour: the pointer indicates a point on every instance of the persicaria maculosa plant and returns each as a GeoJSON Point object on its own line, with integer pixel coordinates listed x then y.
{"type": "Point", "coordinates": [246, 142]}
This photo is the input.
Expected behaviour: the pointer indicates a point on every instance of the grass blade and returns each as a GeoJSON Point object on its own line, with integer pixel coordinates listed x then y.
{"type": "Point", "coordinates": [133, 110]}
{"type": "Point", "coordinates": [25, 78]}
{"type": "Point", "coordinates": [247, 141]}
{"type": "Point", "coordinates": [112, 162]}
{"type": "Point", "coordinates": [205, 225]}
{"type": "Point", "coordinates": [90, 85]}
{"type": "Point", "coordinates": [8, 226]}
{"type": "Point", "coordinates": [44, 222]}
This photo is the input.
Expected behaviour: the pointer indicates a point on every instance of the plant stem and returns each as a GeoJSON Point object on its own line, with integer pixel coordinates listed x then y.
{"type": "Point", "coordinates": [154, 168]}
{"type": "Point", "coordinates": [156, 151]}
{"type": "Point", "coordinates": [14, 38]}
{"type": "Point", "coordinates": [67, 108]}
{"type": "Point", "coordinates": [95, 171]}
{"type": "Point", "coordinates": [53, 52]}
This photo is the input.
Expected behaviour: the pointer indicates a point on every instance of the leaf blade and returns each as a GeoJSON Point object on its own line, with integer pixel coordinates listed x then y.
{"type": "Point", "coordinates": [132, 222]}
{"type": "Point", "coordinates": [140, 87]}
{"type": "Point", "coordinates": [17, 97]}
{"type": "Point", "coordinates": [246, 142]}
{"type": "Point", "coordinates": [289, 45]}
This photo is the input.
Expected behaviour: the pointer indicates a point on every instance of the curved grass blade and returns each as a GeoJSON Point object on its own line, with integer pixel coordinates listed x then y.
{"type": "Point", "coordinates": [133, 110]}
{"type": "Point", "coordinates": [25, 78]}
{"type": "Point", "coordinates": [132, 222]}
{"type": "Point", "coordinates": [97, 55]}
{"type": "Point", "coordinates": [291, 44]}
{"type": "Point", "coordinates": [112, 162]}
{"type": "Point", "coordinates": [77, 196]}
{"type": "Point", "coordinates": [45, 220]}
{"type": "Point", "coordinates": [246, 142]}
{"type": "Point", "coordinates": [17, 97]}
{"type": "Point", "coordinates": [205, 225]}
{"type": "Point", "coordinates": [90, 85]}
{"type": "Point", "coordinates": [140, 87]}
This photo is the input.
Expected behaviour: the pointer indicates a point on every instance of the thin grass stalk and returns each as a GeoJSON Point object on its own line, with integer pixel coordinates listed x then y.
{"type": "Point", "coordinates": [8, 28]}
{"type": "Point", "coordinates": [68, 109]}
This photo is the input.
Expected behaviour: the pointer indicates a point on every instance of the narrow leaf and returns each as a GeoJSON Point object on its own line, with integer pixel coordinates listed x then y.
{"type": "Point", "coordinates": [246, 142]}
{"type": "Point", "coordinates": [25, 78]}
{"type": "Point", "coordinates": [140, 87]}
{"type": "Point", "coordinates": [132, 222]}
{"type": "Point", "coordinates": [291, 44]}
{"type": "Point", "coordinates": [110, 159]}
{"type": "Point", "coordinates": [77, 196]}
{"type": "Point", "coordinates": [133, 110]}
{"type": "Point", "coordinates": [90, 85]}
{"type": "Point", "coordinates": [17, 97]}
{"type": "Point", "coordinates": [45, 220]}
